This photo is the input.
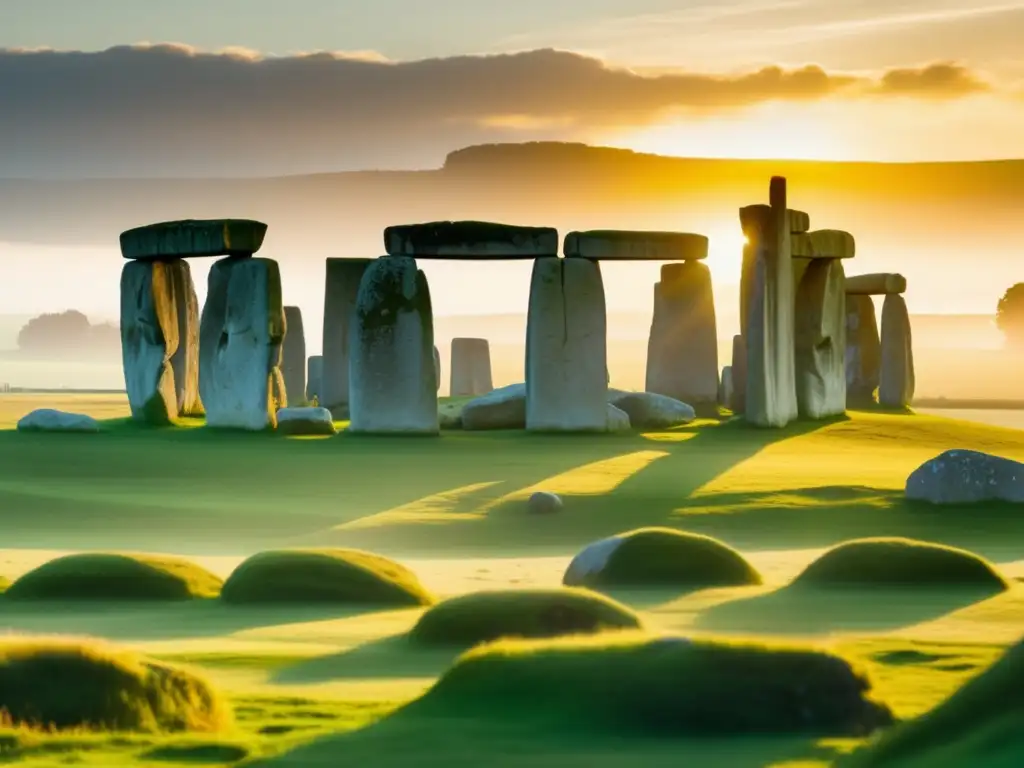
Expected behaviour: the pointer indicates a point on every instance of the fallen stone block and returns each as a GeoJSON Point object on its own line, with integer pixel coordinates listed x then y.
{"type": "Point", "coordinates": [51, 420]}
{"type": "Point", "coordinates": [896, 381]}
{"type": "Point", "coordinates": [820, 340]}
{"type": "Point", "coordinates": [470, 240]}
{"type": "Point", "coordinates": [502, 408]}
{"type": "Point", "coordinates": [305, 421]}
{"type": "Point", "coordinates": [471, 368]}
{"type": "Point", "coordinates": [824, 244]}
{"type": "Point", "coordinates": [193, 238]}
{"type": "Point", "coordinates": [647, 410]}
{"type": "Point", "coordinates": [342, 287]}
{"type": "Point", "coordinates": [967, 477]}
{"type": "Point", "coordinates": [880, 284]}
{"type": "Point", "coordinates": [618, 420]}
{"type": "Point", "coordinates": [293, 357]}
{"type": "Point", "coordinates": [624, 245]}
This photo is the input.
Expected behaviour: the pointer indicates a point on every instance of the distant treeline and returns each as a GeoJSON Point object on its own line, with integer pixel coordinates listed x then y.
{"type": "Point", "coordinates": [68, 333]}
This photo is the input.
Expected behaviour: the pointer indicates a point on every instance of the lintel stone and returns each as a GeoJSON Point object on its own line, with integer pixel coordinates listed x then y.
{"type": "Point", "coordinates": [481, 240]}
{"type": "Point", "coordinates": [824, 244]}
{"type": "Point", "coordinates": [192, 238]}
{"type": "Point", "coordinates": [625, 245]}
{"type": "Point", "coordinates": [753, 217]}
{"type": "Point", "coordinates": [879, 284]}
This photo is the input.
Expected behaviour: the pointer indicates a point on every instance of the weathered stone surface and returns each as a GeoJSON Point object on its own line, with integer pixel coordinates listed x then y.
{"type": "Point", "coordinates": [879, 284]}
{"type": "Point", "coordinates": [824, 244]}
{"type": "Point", "coordinates": [754, 215]}
{"type": "Point", "coordinates": [159, 331]}
{"type": "Point", "coordinates": [738, 403]}
{"type": "Point", "coordinates": [502, 408]}
{"type": "Point", "coordinates": [471, 368]}
{"type": "Point", "coordinates": [470, 240]}
{"type": "Point", "coordinates": [967, 477]}
{"type": "Point", "coordinates": [437, 370]}
{"type": "Point", "coordinates": [591, 560]}
{"type": "Point", "coordinates": [863, 350]}
{"type": "Point", "coordinates": [50, 420]}
{"type": "Point", "coordinates": [566, 350]}
{"type": "Point", "coordinates": [241, 333]}
{"type": "Point", "coordinates": [342, 287]}
{"type": "Point", "coordinates": [305, 421]}
{"type": "Point", "coordinates": [314, 377]}
{"type": "Point", "coordinates": [393, 379]}
{"type": "Point", "coordinates": [770, 375]}
{"type": "Point", "coordinates": [544, 503]}
{"type": "Point", "coordinates": [618, 420]}
{"type": "Point", "coordinates": [820, 340]}
{"type": "Point", "coordinates": [682, 350]}
{"type": "Point", "coordinates": [896, 382]}
{"type": "Point", "coordinates": [624, 245]}
{"type": "Point", "coordinates": [725, 387]}
{"type": "Point", "coordinates": [647, 410]}
{"type": "Point", "coordinates": [193, 237]}
{"type": "Point", "coordinates": [293, 357]}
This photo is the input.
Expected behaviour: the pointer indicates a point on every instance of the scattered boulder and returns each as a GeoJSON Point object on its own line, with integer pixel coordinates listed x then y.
{"type": "Point", "coordinates": [544, 503]}
{"type": "Point", "coordinates": [618, 420]}
{"type": "Point", "coordinates": [342, 288]}
{"type": "Point", "coordinates": [470, 240]}
{"type": "Point", "coordinates": [566, 351]}
{"type": "Point", "coordinates": [314, 377]}
{"type": "Point", "coordinates": [502, 408]}
{"type": "Point", "coordinates": [305, 421]}
{"type": "Point", "coordinates": [293, 357]}
{"type": "Point", "coordinates": [626, 245]}
{"type": "Point", "coordinates": [876, 285]}
{"type": "Point", "coordinates": [896, 381]}
{"type": "Point", "coordinates": [241, 333]}
{"type": "Point", "coordinates": [471, 368]}
{"type": "Point", "coordinates": [820, 344]}
{"type": "Point", "coordinates": [863, 350]}
{"type": "Point", "coordinates": [648, 410]}
{"type": "Point", "coordinates": [967, 477]}
{"type": "Point", "coordinates": [192, 238]}
{"type": "Point", "coordinates": [659, 557]}
{"type": "Point", "coordinates": [392, 374]}
{"type": "Point", "coordinates": [50, 420]}
{"type": "Point", "coordinates": [480, 617]}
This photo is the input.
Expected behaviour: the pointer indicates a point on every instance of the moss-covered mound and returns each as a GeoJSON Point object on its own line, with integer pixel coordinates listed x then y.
{"type": "Point", "coordinates": [324, 576]}
{"type": "Point", "coordinates": [631, 682]}
{"type": "Point", "coordinates": [479, 617]}
{"type": "Point", "coordinates": [115, 576]}
{"type": "Point", "coordinates": [664, 557]}
{"type": "Point", "coordinates": [895, 562]}
{"type": "Point", "coordinates": [98, 687]}
{"type": "Point", "coordinates": [982, 724]}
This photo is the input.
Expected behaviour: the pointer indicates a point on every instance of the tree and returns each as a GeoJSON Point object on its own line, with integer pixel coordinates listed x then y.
{"type": "Point", "coordinates": [1010, 315]}
{"type": "Point", "coordinates": [66, 333]}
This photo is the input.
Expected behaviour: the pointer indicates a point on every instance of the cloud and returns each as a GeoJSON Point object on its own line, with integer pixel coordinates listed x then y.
{"type": "Point", "coordinates": [148, 109]}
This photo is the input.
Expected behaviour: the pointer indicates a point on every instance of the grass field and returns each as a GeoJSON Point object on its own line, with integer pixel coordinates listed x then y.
{"type": "Point", "coordinates": [316, 686]}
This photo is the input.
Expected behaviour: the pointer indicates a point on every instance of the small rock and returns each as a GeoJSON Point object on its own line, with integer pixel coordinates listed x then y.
{"type": "Point", "coordinates": [50, 420]}
{"type": "Point", "coordinates": [544, 503]}
{"type": "Point", "coordinates": [967, 477]}
{"type": "Point", "coordinates": [618, 420]}
{"type": "Point", "coordinates": [647, 410]}
{"type": "Point", "coordinates": [305, 421]}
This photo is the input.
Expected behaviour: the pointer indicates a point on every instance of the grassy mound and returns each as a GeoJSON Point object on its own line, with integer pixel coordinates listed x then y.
{"type": "Point", "coordinates": [324, 576]}
{"type": "Point", "coordinates": [479, 617]}
{"type": "Point", "coordinates": [895, 562]}
{"type": "Point", "coordinates": [662, 557]}
{"type": "Point", "coordinates": [115, 577]}
{"type": "Point", "coordinates": [97, 687]}
{"type": "Point", "coordinates": [981, 724]}
{"type": "Point", "coordinates": [660, 685]}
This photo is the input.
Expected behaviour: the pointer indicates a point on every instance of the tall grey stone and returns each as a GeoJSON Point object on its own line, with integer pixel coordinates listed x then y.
{"type": "Point", "coordinates": [863, 350]}
{"type": "Point", "coordinates": [314, 375]}
{"type": "Point", "coordinates": [293, 357]}
{"type": "Point", "coordinates": [185, 360]}
{"type": "Point", "coordinates": [566, 350]}
{"type": "Point", "coordinates": [682, 351]}
{"type": "Point", "coordinates": [820, 340]}
{"type": "Point", "coordinates": [738, 403]}
{"type": "Point", "coordinates": [241, 333]}
{"type": "Point", "coordinates": [470, 368]}
{"type": "Point", "coordinates": [897, 381]}
{"type": "Point", "coordinates": [751, 217]}
{"type": "Point", "coordinates": [771, 371]}
{"type": "Point", "coordinates": [342, 286]}
{"type": "Point", "coordinates": [392, 380]}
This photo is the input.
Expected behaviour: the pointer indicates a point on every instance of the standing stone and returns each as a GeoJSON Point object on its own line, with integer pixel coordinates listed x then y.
{"type": "Point", "coordinates": [342, 286]}
{"type": "Point", "coordinates": [185, 360]}
{"type": "Point", "coordinates": [682, 352]}
{"type": "Point", "coordinates": [725, 387]}
{"type": "Point", "coordinates": [293, 357]}
{"type": "Point", "coordinates": [738, 403]}
{"type": "Point", "coordinates": [566, 350]}
{"type": "Point", "coordinates": [820, 345]}
{"type": "Point", "coordinates": [437, 370]}
{"type": "Point", "coordinates": [314, 375]}
{"type": "Point", "coordinates": [241, 333]}
{"type": "Point", "coordinates": [897, 381]}
{"type": "Point", "coordinates": [863, 351]}
{"type": "Point", "coordinates": [771, 371]}
{"type": "Point", "coordinates": [471, 368]}
{"type": "Point", "coordinates": [392, 379]}
{"type": "Point", "coordinates": [750, 218]}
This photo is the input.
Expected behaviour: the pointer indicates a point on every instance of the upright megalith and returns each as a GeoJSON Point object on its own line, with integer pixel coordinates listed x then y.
{"type": "Point", "coordinates": [314, 375]}
{"type": "Point", "coordinates": [185, 360]}
{"type": "Point", "coordinates": [820, 340]}
{"type": "Point", "coordinates": [751, 218]}
{"type": "Point", "coordinates": [240, 338]}
{"type": "Point", "coordinates": [897, 380]}
{"type": "Point", "coordinates": [566, 355]}
{"type": "Point", "coordinates": [738, 402]}
{"type": "Point", "coordinates": [437, 370]}
{"type": "Point", "coordinates": [863, 350]}
{"type": "Point", "coordinates": [342, 287]}
{"type": "Point", "coordinates": [293, 357]}
{"type": "Point", "coordinates": [771, 373]}
{"type": "Point", "coordinates": [392, 380]}
{"type": "Point", "coordinates": [470, 368]}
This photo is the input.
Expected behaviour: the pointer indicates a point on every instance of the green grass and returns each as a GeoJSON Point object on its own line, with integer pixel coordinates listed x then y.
{"type": "Point", "coordinates": [55, 685]}
{"type": "Point", "coordinates": [115, 577]}
{"type": "Point", "coordinates": [343, 576]}
{"type": "Point", "coordinates": [896, 562]}
{"type": "Point", "coordinates": [529, 613]}
{"type": "Point", "coordinates": [668, 558]}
